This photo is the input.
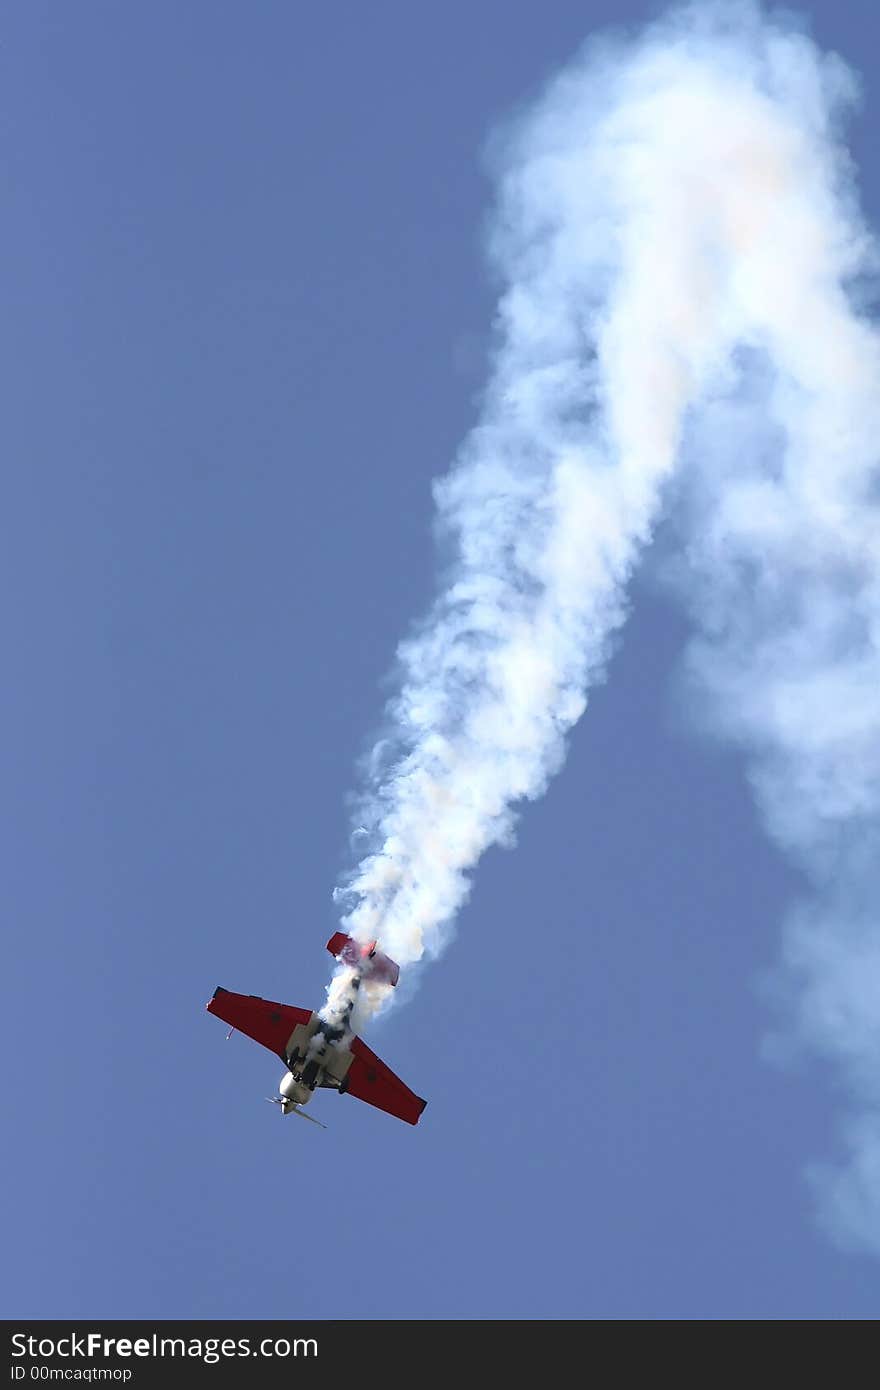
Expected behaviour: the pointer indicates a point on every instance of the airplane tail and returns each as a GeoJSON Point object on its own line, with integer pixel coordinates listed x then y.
{"type": "Point", "coordinates": [365, 956]}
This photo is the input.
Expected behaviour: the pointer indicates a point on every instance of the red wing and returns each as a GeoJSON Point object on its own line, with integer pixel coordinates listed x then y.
{"type": "Point", "coordinates": [265, 1022]}
{"type": "Point", "coordinates": [369, 1079]}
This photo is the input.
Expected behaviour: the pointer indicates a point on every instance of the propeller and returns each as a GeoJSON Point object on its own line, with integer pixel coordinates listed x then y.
{"type": "Point", "coordinates": [295, 1110]}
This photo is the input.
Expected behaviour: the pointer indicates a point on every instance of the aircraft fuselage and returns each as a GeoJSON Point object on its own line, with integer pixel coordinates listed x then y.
{"type": "Point", "coordinates": [313, 1060]}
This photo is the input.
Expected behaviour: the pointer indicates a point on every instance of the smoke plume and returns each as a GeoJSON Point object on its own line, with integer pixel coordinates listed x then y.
{"type": "Point", "coordinates": [680, 252]}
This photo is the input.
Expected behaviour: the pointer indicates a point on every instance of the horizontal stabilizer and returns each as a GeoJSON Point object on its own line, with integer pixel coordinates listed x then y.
{"type": "Point", "coordinates": [364, 956]}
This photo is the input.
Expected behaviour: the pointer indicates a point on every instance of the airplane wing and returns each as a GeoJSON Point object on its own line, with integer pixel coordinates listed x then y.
{"type": "Point", "coordinates": [265, 1022]}
{"type": "Point", "coordinates": [369, 1079]}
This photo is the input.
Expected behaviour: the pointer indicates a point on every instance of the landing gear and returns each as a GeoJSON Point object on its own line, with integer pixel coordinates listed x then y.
{"type": "Point", "coordinates": [310, 1073]}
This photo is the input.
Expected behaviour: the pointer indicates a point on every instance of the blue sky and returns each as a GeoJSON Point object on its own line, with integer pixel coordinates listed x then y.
{"type": "Point", "coordinates": [245, 322]}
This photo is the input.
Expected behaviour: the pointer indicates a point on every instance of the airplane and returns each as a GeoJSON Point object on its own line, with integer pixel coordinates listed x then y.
{"type": "Point", "coordinates": [320, 1054]}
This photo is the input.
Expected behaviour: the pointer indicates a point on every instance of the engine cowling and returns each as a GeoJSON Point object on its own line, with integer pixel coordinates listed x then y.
{"type": "Point", "coordinates": [293, 1091]}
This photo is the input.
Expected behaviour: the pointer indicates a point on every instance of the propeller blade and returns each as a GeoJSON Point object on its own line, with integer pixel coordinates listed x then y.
{"type": "Point", "coordinates": [303, 1116]}
{"type": "Point", "coordinates": [294, 1110]}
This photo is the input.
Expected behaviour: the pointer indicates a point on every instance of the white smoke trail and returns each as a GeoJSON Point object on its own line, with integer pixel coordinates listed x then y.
{"type": "Point", "coordinates": [677, 238]}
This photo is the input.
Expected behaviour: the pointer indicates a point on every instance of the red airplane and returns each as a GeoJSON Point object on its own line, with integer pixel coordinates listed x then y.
{"type": "Point", "coordinates": [317, 1053]}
